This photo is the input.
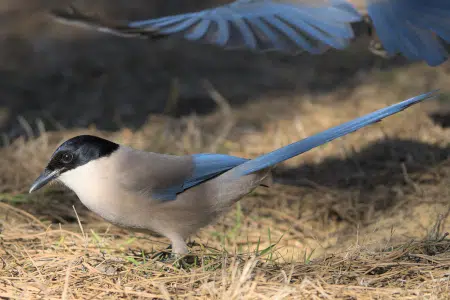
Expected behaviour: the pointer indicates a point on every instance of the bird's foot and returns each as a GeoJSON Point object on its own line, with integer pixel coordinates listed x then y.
{"type": "Point", "coordinates": [180, 260]}
{"type": "Point", "coordinates": [376, 47]}
{"type": "Point", "coordinates": [164, 255]}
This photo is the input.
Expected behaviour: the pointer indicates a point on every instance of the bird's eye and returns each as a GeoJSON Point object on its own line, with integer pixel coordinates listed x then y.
{"type": "Point", "coordinates": [67, 158]}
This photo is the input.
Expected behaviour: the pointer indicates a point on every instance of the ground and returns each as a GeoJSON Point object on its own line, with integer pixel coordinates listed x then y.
{"type": "Point", "coordinates": [363, 217]}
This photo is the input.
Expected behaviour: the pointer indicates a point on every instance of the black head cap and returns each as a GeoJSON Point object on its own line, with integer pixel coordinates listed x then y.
{"type": "Point", "coordinates": [74, 153]}
{"type": "Point", "coordinates": [80, 150]}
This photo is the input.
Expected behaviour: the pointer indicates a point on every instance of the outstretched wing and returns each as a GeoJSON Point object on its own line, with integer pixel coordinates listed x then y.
{"type": "Point", "coordinates": [265, 25]}
{"type": "Point", "coordinates": [260, 25]}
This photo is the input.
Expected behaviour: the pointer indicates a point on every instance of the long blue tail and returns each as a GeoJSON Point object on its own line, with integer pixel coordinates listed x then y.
{"type": "Point", "coordinates": [294, 149]}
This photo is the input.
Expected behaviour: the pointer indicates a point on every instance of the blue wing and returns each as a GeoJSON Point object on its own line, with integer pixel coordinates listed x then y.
{"type": "Point", "coordinates": [412, 27]}
{"type": "Point", "coordinates": [262, 25]}
{"type": "Point", "coordinates": [206, 166]}
{"type": "Point", "coordinates": [323, 137]}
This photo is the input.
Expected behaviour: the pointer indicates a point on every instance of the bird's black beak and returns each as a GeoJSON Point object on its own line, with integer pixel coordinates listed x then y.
{"type": "Point", "coordinates": [43, 179]}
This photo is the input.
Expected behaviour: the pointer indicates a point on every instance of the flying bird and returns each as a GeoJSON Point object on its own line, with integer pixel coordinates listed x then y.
{"type": "Point", "coordinates": [417, 29]}
{"type": "Point", "coordinates": [174, 195]}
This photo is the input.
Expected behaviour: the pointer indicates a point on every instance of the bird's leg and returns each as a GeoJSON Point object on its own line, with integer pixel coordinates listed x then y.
{"type": "Point", "coordinates": [179, 246]}
{"type": "Point", "coordinates": [179, 252]}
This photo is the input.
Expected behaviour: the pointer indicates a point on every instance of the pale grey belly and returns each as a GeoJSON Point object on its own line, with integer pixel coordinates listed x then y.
{"type": "Point", "coordinates": [192, 210]}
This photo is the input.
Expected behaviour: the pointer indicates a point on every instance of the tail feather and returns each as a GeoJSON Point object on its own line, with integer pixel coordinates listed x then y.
{"type": "Point", "coordinates": [294, 149]}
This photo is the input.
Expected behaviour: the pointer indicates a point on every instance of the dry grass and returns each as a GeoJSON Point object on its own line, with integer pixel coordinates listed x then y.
{"type": "Point", "coordinates": [360, 223]}
{"type": "Point", "coordinates": [40, 262]}
{"type": "Point", "coordinates": [363, 217]}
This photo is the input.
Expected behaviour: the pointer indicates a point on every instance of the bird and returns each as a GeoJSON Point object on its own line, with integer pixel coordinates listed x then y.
{"type": "Point", "coordinates": [174, 196]}
{"type": "Point", "coordinates": [416, 29]}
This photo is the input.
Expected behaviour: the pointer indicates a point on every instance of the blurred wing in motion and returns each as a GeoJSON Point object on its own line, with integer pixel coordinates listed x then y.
{"type": "Point", "coordinates": [260, 25]}
{"type": "Point", "coordinates": [415, 28]}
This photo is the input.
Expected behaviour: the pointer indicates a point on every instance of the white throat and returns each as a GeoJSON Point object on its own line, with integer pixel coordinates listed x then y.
{"type": "Point", "coordinates": [92, 182]}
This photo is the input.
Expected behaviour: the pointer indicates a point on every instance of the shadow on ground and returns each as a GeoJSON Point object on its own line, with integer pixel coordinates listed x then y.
{"type": "Point", "coordinates": [383, 163]}
{"type": "Point", "coordinates": [373, 181]}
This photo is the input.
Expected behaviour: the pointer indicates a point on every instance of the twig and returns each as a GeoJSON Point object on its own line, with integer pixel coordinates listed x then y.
{"type": "Point", "coordinates": [228, 119]}
{"type": "Point", "coordinates": [66, 281]}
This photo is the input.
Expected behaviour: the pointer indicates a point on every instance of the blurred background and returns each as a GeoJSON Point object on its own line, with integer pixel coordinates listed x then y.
{"type": "Point", "coordinates": [74, 78]}
{"type": "Point", "coordinates": [388, 181]}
